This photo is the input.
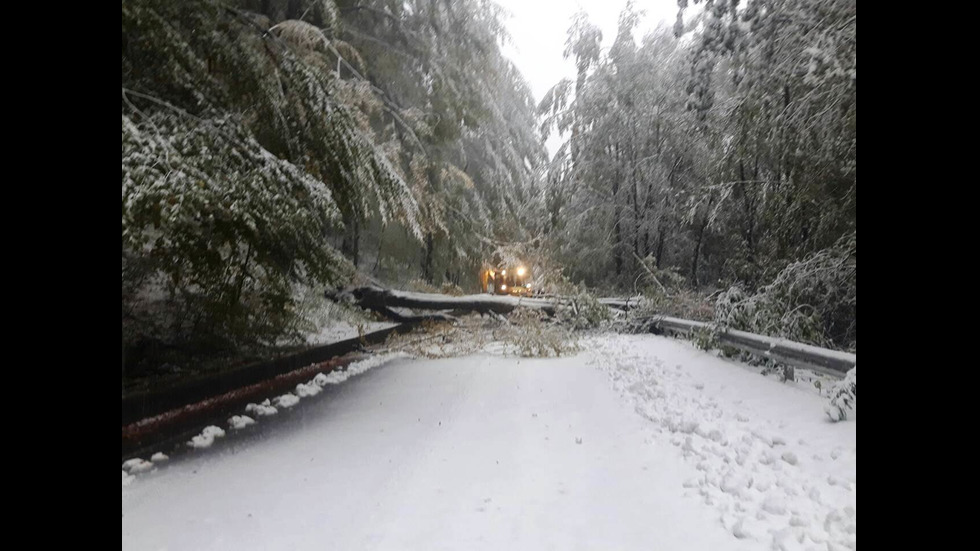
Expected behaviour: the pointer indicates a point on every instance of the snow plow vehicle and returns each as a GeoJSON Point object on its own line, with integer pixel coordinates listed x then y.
{"type": "Point", "coordinates": [513, 280]}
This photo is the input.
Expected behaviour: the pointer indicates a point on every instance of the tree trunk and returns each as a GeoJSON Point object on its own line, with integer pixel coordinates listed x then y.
{"type": "Point", "coordinates": [660, 248]}
{"type": "Point", "coordinates": [377, 259]}
{"type": "Point", "coordinates": [636, 209]}
{"type": "Point", "coordinates": [427, 257]}
{"type": "Point", "coordinates": [749, 209]}
{"type": "Point", "coordinates": [697, 246]}
{"type": "Point", "coordinates": [697, 253]}
{"type": "Point", "coordinates": [352, 237]}
{"type": "Point", "coordinates": [383, 300]}
{"type": "Point", "coordinates": [617, 214]}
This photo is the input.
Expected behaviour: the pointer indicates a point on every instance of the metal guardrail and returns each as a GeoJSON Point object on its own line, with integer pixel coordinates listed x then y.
{"type": "Point", "coordinates": [140, 405]}
{"type": "Point", "coordinates": [796, 354]}
{"type": "Point", "coordinates": [172, 413]}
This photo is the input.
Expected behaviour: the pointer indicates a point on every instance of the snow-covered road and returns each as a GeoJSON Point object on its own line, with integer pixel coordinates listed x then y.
{"type": "Point", "coordinates": [617, 448]}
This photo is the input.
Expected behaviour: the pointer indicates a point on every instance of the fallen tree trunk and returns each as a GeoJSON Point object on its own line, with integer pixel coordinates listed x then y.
{"type": "Point", "coordinates": [383, 300]}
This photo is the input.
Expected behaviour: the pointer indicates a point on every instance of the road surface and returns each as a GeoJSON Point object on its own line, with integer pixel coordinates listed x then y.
{"type": "Point", "coordinates": [496, 452]}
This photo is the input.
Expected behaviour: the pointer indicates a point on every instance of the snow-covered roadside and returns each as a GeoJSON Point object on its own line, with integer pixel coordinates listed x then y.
{"type": "Point", "coordinates": [480, 452]}
{"type": "Point", "coordinates": [206, 438]}
{"type": "Point", "coordinates": [329, 322]}
{"type": "Point", "coordinates": [491, 451]}
{"type": "Point", "coordinates": [339, 330]}
{"type": "Point", "coordinates": [770, 462]}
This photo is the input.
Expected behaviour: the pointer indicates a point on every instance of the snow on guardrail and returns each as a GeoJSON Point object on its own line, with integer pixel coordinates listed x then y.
{"type": "Point", "coordinates": [830, 362]}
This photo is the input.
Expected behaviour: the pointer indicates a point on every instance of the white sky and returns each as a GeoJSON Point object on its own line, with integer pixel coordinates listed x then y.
{"type": "Point", "coordinates": [538, 30]}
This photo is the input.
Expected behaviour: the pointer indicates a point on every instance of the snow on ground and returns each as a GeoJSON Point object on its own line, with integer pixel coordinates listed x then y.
{"type": "Point", "coordinates": [238, 422]}
{"type": "Point", "coordinates": [769, 461]}
{"type": "Point", "coordinates": [305, 390]}
{"type": "Point", "coordinates": [263, 409]}
{"type": "Point", "coordinates": [206, 438]}
{"type": "Point", "coordinates": [137, 465]}
{"type": "Point", "coordinates": [640, 442]}
{"type": "Point", "coordinates": [286, 400]}
{"type": "Point", "coordinates": [339, 330]}
{"type": "Point", "coordinates": [331, 322]}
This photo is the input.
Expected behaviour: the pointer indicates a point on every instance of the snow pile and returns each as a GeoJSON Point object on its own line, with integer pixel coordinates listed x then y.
{"type": "Point", "coordinates": [363, 366]}
{"type": "Point", "coordinates": [137, 465]}
{"type": "Point", "coordinates": [214, 431]}
{"type": "Point", "coordinates": [733, 426]}
{"type": "Point", "coordinates": [206, 438]}
{"type": "Point", "coordinates": [286, 400]}
{"type": "Point", "coordinates": [842, 398]}
{"type": "Point", "coordinates": [315, 385]}
{"type": "Point", "coordinates": [335, 377]}
{"type": "Point", "coordinates": [264, 408]}
{"type": "Point", "coordinates": [261, 409]}
{"type": "Point", "coordinates": [239, 422]}
{"type": "Point", "coordinates": [131, 467]}
{"type": "Point", "coordinates": [305, 390]}
{"type": "Point", "coordinates": [356, 368]}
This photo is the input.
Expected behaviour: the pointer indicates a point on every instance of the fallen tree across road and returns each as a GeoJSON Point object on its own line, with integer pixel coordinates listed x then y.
{"type": "Point", "coordinates": [382, 301]}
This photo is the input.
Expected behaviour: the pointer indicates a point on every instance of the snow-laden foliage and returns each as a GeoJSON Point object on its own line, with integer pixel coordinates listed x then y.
{"type": "Point", "coordinates": [262, 141]}
{"type": "Point", "coordinates": [582, 310]}
{"type": "Point", "coordinates": [614, 189]}
{"type": "Point", "coordinates": [466, 145]}
{"type": "Point", "coordinates": [783, 80]}
{"type": "Point", "coordinates": [530, 334]}
{"type": "Point", "coordinates": [227, 225]}
{"type": "Point", "coordinates": [725, 155]}
{"type": "Point", "coordinates": [451, 289]}
{"type": "Point", "coordinates": [684, 304]}
{"type": "Point", "coordinates": [238, 163]}
{"type": "Point", "coordinates": [842, 400]}
{"type": "Point", "coordinates": [812, 301]}
{"type": "Point", "coordinates": [437, 339]}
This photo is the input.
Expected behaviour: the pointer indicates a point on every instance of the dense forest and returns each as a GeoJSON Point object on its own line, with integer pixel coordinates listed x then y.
{"type": "Point", "coordinates": [274, 147]}
{"type": "Point", "coordinates": [722, 157]}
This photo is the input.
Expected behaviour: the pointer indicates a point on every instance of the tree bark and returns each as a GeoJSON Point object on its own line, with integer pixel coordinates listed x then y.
{"type": "Point", "coordinates": [697, 246]}
{"type": "Point", "coordinates": [352, 237]}
{"type": "Point", "coordinates": [427, 258]}
{"type": "Point", "coordinates": [381, 300]}
{"type": "Point", "coordinates": [617, 214]}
